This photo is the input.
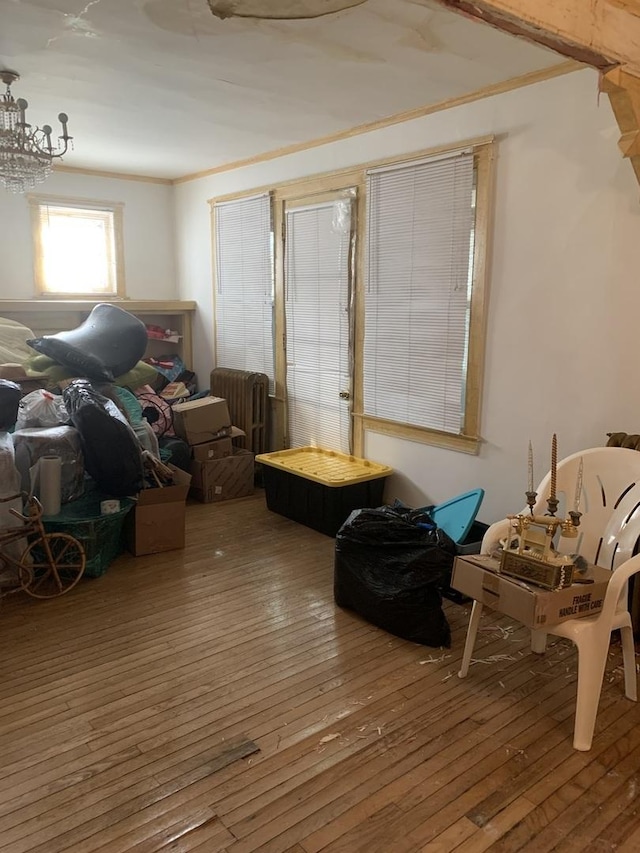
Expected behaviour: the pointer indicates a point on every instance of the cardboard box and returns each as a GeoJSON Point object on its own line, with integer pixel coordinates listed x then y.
{"type": "Point", "coordinates": [222, 479]}
{"type": "Point", "coordinates": [218, 449]}
{"type": "Point", "coordinates": [199, 421]}
{"type": "Point", "coordinates": [157, 521]}
{"type": "Point", "coordinates": [532, 606]}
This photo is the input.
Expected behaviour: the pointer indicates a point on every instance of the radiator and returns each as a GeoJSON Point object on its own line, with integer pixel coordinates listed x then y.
{"type": "Point", "coordinates": [247, 395]}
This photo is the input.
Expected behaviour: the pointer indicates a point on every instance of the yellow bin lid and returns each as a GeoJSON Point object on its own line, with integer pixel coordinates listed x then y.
{"type": "Point", "coordinates": [329, 467]}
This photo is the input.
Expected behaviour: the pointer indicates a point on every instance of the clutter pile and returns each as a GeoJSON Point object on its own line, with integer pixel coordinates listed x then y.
{"type": "Point", "coordinates": [86, 424]}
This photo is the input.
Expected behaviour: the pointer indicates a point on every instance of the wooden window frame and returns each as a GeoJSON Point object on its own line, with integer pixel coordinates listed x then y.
{"type": "Point", "coordinates": [469, 439]}
{"type": "Point", "coordinates": [115, 209]}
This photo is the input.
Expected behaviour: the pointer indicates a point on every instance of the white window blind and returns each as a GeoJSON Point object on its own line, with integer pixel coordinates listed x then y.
{"type": "Point", "coordinates": [418, 294]}
{"type": "Point", "coordinates": [77, 250]}
{"type": "Point", "coordinates": [244, 285]}
{"type": "Point", "coordinates": [318, 239]}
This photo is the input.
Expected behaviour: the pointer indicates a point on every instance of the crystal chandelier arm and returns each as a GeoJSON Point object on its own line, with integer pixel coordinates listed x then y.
{"type": "Point", "coordinates": [46, 129]}
{"type": "Point", "coordinates": [26, 152]}
{"type": "Point", "coordinates": [22, 105]}
{"type": "Point", "coordinates": [63, 118]}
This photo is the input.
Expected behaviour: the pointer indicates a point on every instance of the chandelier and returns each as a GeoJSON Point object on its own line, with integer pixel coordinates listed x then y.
{"type": "Point", "coordinates": [26, 152]}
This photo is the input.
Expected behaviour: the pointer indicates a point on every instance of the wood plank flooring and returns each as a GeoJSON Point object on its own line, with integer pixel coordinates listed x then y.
{"type": "Point", "coordinates": [215, 700]}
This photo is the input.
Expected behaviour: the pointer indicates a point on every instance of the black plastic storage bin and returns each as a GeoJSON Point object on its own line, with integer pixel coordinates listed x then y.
{"type": "Point", "coordinates": [320, 488]}
{"type": "Point", "coordinates": [473, 540]}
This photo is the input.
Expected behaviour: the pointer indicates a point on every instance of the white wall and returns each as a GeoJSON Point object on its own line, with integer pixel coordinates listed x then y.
{"type": "Point", "coordinates": [149, 242]}
{"type": "Point", "coordinates": [564, 305]}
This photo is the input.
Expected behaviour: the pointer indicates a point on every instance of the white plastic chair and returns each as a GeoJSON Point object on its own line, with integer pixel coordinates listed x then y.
{"type": "Point", "coordinates": [607, 536]}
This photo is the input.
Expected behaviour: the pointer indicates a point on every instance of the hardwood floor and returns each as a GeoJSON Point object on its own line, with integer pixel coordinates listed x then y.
{"type": "Point", "coordinates": [215, 699]}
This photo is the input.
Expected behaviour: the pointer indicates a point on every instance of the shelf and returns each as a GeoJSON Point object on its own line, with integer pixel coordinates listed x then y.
{"type": "Point", "coordinates": [48, 316]}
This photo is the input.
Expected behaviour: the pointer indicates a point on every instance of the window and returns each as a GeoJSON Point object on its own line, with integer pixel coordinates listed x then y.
{"type": "Point", "coordinates": [387, 317]}
{"type": "Point", "coordinates": [419, 297]}
{"type": "Point", "coordinates": [244, 284]}
{"type": "Point", "coordinates": [78, 247]}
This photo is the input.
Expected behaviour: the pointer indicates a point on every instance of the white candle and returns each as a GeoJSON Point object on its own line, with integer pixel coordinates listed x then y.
{"type": "Point", "coordinates": [530, 468]}
{"type": "Point", "coordinates": [576, 502]}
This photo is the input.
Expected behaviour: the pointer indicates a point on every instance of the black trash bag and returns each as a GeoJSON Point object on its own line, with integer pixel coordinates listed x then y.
{"type": "Point", "coordinates": [111, 450]}
{"type": "Point", "coordinates": [10, 394]}
{"type": "Point", "coordinates": [422, 517]}
{"type": "Point", "coordinates": [390, 571]}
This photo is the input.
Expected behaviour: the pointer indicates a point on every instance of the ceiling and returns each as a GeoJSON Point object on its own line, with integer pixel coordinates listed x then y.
{"type": "Point", "coordinates": [164, 88]}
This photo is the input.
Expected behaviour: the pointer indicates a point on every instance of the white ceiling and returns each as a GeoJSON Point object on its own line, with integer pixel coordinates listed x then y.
{"type": "Point", "coordinates": [164, 88]}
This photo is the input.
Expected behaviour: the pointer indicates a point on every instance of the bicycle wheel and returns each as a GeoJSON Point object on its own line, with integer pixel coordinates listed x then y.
{"type": "Point", "coordinates": [14, 577]}
{"type": "Point", "coordinates": [56, 561]}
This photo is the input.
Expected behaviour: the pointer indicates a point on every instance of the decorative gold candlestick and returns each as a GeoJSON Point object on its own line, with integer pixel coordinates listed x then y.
{"type": "Point", "coordinates": [552, 501]}
{"type": "Point", "coordinates": [531, 500]}
{"type": "Point", "coordinates": [575, 512]}
{"type": "Point", "coordinates": [534, 558]}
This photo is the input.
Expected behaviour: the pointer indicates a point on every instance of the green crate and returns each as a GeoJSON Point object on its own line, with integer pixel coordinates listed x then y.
{"type": "Point", "coordinates": [100, 535]}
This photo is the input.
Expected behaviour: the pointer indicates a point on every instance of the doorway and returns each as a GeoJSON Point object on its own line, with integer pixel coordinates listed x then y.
{"type": "Point", "coordinates": [319, 251]}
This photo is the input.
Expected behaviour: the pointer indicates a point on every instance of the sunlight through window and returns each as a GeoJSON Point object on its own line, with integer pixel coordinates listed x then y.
{"type": "Point", "coordinates": [77, 249]}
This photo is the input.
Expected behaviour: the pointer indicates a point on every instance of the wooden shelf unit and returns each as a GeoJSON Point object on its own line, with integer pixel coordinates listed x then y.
{"type": "Point", "coordinates": [48, 316]}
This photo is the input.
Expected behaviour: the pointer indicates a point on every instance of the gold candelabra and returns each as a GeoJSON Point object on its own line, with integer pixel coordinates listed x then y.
{"type": "Point", "coordinates": [534, 558]}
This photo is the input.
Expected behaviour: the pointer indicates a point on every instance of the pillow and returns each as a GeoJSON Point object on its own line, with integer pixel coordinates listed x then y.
{"type": "Point", "coordinates": [39, 365]}
{"type": "Point", "coordinates": [13, 341]}
{"type": "Point", "coordinates": [36, 363]}
{"type": "Point", "coordinates": [139, 375]}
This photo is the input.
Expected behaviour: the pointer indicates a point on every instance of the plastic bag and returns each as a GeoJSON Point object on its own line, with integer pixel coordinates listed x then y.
{"type": "Point", "coordinates": [111, 450]}
{"type": "Point", "coordinates": [31, 444]}
{"type": "Point", "coordinates": [9, 486]}
{"type": "Point", "coordinates": [390, 571]}
{"type": "Point", "coordinates": [10, 481]}
{"type": "Point", "coordinates": [41, 409]}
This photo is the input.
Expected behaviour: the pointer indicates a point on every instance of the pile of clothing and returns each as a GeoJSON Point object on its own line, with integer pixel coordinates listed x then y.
{"type": "Point", "coordinates": [88, 396]}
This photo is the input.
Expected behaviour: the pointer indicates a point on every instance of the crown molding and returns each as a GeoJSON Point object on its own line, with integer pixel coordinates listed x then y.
{"type": "Point", "coordinates": [519, 82]}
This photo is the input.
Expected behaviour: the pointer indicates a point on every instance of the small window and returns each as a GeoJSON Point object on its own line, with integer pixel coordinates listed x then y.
{"type": "Point", "coordinates": [78, 247]}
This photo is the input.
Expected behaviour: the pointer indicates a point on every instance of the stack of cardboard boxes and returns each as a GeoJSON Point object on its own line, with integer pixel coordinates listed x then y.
{"type": "Point", "coordinates": [219, 471]}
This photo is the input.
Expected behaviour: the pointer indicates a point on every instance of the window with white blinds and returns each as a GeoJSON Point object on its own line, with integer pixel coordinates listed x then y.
{"type": "Point", "coordinates": [244, 284]}
{"type": "Point", "coordinates": [78, 247]}
{"type": "Point", "coordinates": [420, 248]}
{"type": "Point", "coordinates": [318, 240]}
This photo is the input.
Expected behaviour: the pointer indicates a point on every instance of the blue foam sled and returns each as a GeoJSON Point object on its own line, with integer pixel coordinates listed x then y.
{"type": "Point", "coordinates": [456, 515]}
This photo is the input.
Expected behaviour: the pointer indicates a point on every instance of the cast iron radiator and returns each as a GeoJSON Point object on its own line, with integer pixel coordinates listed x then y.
{"type": "Point", "coordinates": [247, 395]}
